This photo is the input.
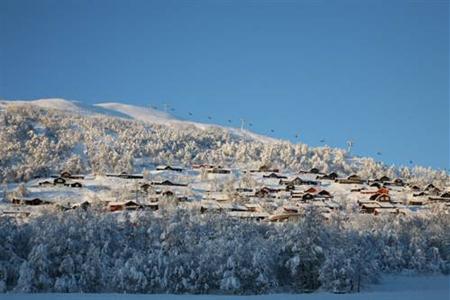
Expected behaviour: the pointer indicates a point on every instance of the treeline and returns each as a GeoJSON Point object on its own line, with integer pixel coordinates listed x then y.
{"type": "Point", "coordinates": [181, 251]}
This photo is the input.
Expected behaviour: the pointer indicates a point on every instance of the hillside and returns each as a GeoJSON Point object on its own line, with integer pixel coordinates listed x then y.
{"type": "Point", "coordinates": [45, 136]}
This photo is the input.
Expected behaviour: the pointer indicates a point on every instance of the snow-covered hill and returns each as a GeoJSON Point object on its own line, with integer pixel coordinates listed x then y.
{"type": "Point", "coordinates": [46, 135]}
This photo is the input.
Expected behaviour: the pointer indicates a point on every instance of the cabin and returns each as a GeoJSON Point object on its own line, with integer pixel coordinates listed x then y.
{"type": "Point", "coordinates": [265, 168]}
{"type": "Point", "coordinates": [398, 182]}
{"type": "Point", "coordinates": [125, 175]}
{"type": "Point", "coordinates": [380, 197]}
{"type": "Point", "coordinates": [244, 190]}
{"type": "Point", "coordinates": [168, 183]}
{"type": "Point", "coordinates": [217, 196]}
{"type": "Point", "coordinates": [83, 205]}
{"type": "Point", "coordinates": [352, 179]}
{"type": "Point", "coordinates": [311, 190]}
{"type": "Point", "coordinates": [65, 174]}
{"type": "Point", "coordinates": [430, 187]}
{"type": "Point", "coordinates": [265, 192]}
{"type": "Point", "coordinates": [299, 181]}
{"type": "Point", "coordinates": [369, 207]}
{"type": "Point", "coordinates": [421, 194]}
{"type": "Point", "coordinates": [376, 184]}
{"type": "Point", "coordinates": [284, 217]}
{"type": "Point", "coordinates": [247, 215]}
{"type": "Point", "coordinates": [59, 180]}
{"type": "Point", "coordinates": [324, 194]}
{"type": "Point", "coordinates": [331, 176]}
{"type": "Point", "coordinates": [29, 201]}
{"type": "Point", "coordinates": [76, 185]}
{"type": "Point", "coordinates": [416, 202]}
{"type": "Point", "coordinates": [145, 187]}
{"type": "Point", "coordinates": [168, 193]}
{"type": "Point", "coordinates": [415, 188]}
{"type": "Point", "coordinates": [290, 187]}
{"type": "Point", "coordinates": [384, 179]}
{"type": "Point", "coordinates": [169, 168]}
{"type": "Point", "coordinates": [314, 171]}
{"type": "Point", "coordinates": [307, 196]}
{"type": "Point", "coordinates": [444, 197]}
{"type": "Point", "coordinates": [385, 211]}
{"type": "Point", "coordinates": [253, 207]}
{"type": "Point", "coordinates": [68, 175]}
{"type": "Point", "coordinates": [218, 171]}
{"type": "Point", "coordinates": [274, 175]}
{"type": "Point", "coordinates": [125, 205]}
{"type": "Point", "coordinates": [209, 206]}
{"type": "Point", "coordinates": [44, 183]}
{"type": "Point", "coordinates": [290, 209]}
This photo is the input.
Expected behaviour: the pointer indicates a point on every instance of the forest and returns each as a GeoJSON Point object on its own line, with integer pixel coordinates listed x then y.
{"type": "Point", "coordinates": [182, 251]}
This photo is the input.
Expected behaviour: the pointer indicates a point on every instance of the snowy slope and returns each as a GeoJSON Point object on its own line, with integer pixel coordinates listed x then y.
{"type": "Point", "coordinates": [144, 114]}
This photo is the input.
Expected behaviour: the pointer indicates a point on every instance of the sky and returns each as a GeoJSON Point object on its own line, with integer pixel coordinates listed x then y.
{"type": "Point", "coordinates": [374, 72]}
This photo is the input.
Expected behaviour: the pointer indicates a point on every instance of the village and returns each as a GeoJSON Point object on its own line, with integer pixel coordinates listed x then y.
{"type": "Point", "coordinates": [264, 194]}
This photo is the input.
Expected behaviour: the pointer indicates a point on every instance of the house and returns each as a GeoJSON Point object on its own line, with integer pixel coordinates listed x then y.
{"type": "Point", "coordinates": [420, 194]}
{"type": "Point", "coordinates": [152, 205]}
{"type": "Point", "coordinates": [44, 183]}
{"type": "Point", "coordinates": [167, 182]}
{"type": "Point", "coordinates": [29, 201]}
{"type": "Point", "coordinates": [369, 207]}
{"type": "Point", "coordinates": [324, 194]}
{"type": "Point", "coordinates": [331, 176]}
{"type": "Point", "coordinates": [83, 205]}
{"type": "Point", "coordinates": [284, 217]}
{"type": "Point", "coordinates": [253, 207]}
{"type": "Point", "coordinates": [204, 166]}
{"type": "Point", "coordinates": [168, 193]}
{"type": "Point", "coordinates": [124, 205]}
{"type": "Point", "coordinates": [376, 184]}
{"type": "Point", "coordinates": [307, 196]}
{"type": "Point", "coordinates": [65, 175]}
{"type": "Point", "coordinates": [311, 190]}
{"type": "Point", "coordinates": [76, 185]}
{"type": "Point", "coordinates": [59, 180]}
{"type": "Point", "coordinates": [145, 187]}
{"type": "Point", "coordinates": [68, 175]}
{"type": "Point", "coordinates": [274, 175]}
{"type": "Point", "coordinates": [298, 181]}
{"type": "Point", "coordinates": [380, 197]}
{"type": "Point", "coordinates": [169, 168]}
{"type": "Point", "coordinates": [415, 188]}
{"type": "Point", "coordinates": [217, 196]}
{"type": "Point", "coordinates": [290, 187]}
{"type": "Point", "coordinates": [416, 202]}
{"type": "Point", "coordinates": [385, 211]}
{"type": "Point", "coordinates": [352, 179]}
{"type": "Point", "coordinates": [248, 215]}
{"type": "Point", "coordinates": [398, 182]}
{"type": "Point", "coordinates": [218, 171]}
{"type": "Point", "coordinates": [125, 175]}
{"type": "Point", "coordinates": [384, 179]}
{"type": "Point", "coordinates": [290, 209]}
{"type": "Point", "coordinates": [265, 168]}
{"type": "Point", "coordinates": [444, 197]}
{"type": "Point", "coordinates": [244, 190]}
{"type": "Point", "coordinates": [431, 187]}
{"type": "Point", "coordinates": [210, 206]}
{"type": "Point", "coordinates": [265, 191]}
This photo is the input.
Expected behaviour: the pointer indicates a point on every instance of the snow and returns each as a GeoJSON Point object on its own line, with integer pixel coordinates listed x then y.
{"type": "Point", "coordinates": [144, 114]}
{"type": "Point", "coordinates": [390, 288]}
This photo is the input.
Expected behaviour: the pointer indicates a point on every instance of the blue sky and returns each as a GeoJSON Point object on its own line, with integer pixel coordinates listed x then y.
{"type": "Point", "coordinates": [376, 72]}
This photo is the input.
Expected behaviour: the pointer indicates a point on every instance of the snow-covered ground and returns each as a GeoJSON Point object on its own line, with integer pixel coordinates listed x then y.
{"type": "Point", "coordinates": [390, 288]}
